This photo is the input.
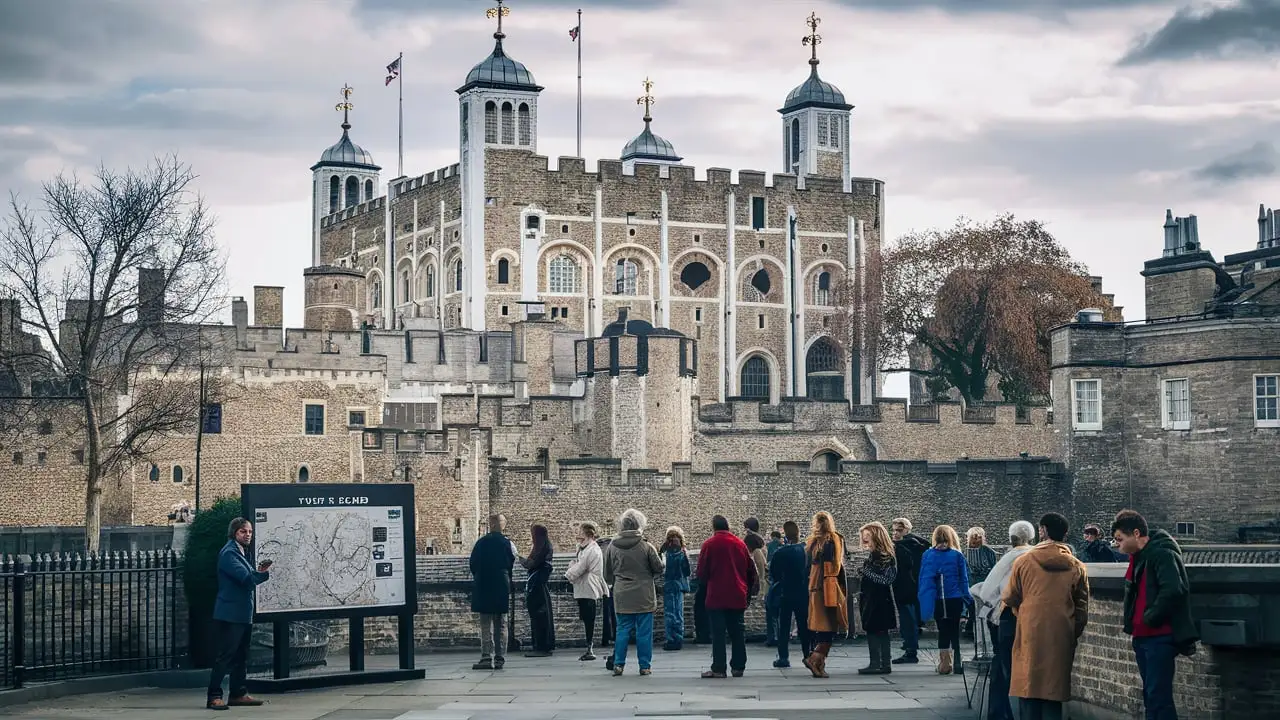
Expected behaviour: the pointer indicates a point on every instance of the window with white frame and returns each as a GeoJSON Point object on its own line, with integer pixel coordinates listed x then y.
{"type": "Point", "coordinates": [562, 275]}
{"type": "Point", "coordinates": [822, 289]}
{"type": "Point", "coordinates": [836, 127]}
{"type": "Point", "coordinates": [1266, 400]}
{"type": "Point", "coordinates": [1086, 404]}
{"type": "Point", "coordinates": [824, 125]}
{"type": "Point", "coordinates": [625, 273]}
{"type": "Point", "coordinates": [1175, 404]}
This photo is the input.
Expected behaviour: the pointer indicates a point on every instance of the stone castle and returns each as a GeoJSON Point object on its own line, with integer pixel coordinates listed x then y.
{"type": "Point", "coordinates": [558, 344]}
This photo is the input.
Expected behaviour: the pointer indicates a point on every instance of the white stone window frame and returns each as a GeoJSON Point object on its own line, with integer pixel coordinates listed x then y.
{"type": "Point", "coordinates": [626, 276]}
{"type": "Point", "coordinates": [557, 278]}
{"type": "Point", "coordinates": [1076, 422]}
{"type": "Point", "coordinates": [1175, 404]}
{"type": "Point", "coordinates": [361, 409]}
{"type": "Point", "coordinates": [324, 423]}
{"type": "Point", "coordinates": [1273, 395]}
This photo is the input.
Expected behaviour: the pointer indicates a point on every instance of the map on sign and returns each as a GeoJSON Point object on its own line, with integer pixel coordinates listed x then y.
{"type": "Point", "coordinates": [327, 558]}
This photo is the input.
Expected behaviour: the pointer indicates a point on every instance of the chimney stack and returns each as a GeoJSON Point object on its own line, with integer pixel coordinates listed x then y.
{"type": "Point", "coordinates": [150, 295]}
{"type": "Point", "coordinates": [1181, 235]}
{"type": "Point", "coordinates": [268, 306]}
{"type": "Point", "coordinates": [239, 314]}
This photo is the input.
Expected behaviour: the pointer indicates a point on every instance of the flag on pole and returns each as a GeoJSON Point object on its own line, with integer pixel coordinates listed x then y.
{"type": "Point", "coordinates": [573, 33]}
{"type": "Point", "coordinates": [393, 70]}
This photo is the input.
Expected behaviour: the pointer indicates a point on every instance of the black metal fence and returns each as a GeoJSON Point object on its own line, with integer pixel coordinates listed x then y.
{"type": "Point", "coordinates": [69, 616]}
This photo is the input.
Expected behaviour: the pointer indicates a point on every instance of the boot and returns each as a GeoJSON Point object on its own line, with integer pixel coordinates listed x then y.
{"type": "Point", "coordinates": [886, 652]}
{"type": "Point", "coordinates": [873, 648]}
{"type": "Point", "coordinates": [944, 662]}
{"type": "Point", "coordinates": [817, 660]}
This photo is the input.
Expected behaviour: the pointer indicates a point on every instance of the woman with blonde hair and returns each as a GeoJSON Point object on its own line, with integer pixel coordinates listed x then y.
{"type": "Point", "coordinates": [875, 596]}
{"type": "Point", "coordinates": [828, 607]}
{"type": "Point", "coordinates": [944, 592]}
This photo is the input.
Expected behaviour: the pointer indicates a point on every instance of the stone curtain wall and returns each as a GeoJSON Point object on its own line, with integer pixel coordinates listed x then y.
{"type": "Point", "coordinates": [992, 494]}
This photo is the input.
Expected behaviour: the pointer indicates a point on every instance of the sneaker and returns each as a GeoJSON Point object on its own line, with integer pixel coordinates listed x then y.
{"type": "Point", "coordinates": [498, 663]}
{"type": "Point", "coordinates": [906, 659]}
{"type": "Point", "coordinates": [483, 665]}
{"type": "Point", "coordinates": [646, 671]}
{"type": "Point", "coordinates": [216, 704]}
{"type": "Point", "coordinates": [587, 656]}
{"type": "Point", "coordinates": [617, 670]}
{"type": "Point", "coordinates": [782, 663]}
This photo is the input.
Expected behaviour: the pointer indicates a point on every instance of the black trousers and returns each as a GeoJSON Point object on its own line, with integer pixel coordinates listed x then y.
{"type": "Point", "coordinates": [1001, 666]}
{"type": "Point", "coordinates": [609, 623]}
{"type": "Point", "coordinates": [701, 625]}
{"type": "Point", "coordinates": [587, 613]}
{"type": "Point", "coordinates": [541, 627]}
{"type": "Point", "coordinates": [947, 615]}
{"type": "Point", "coordinates": [232, 642]}
{"type": "Point", "coordinates": [728, 623]}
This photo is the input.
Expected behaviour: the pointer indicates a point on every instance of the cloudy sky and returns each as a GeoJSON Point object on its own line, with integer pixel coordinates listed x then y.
{"type": "Point", "coordinates": [1092, 115]}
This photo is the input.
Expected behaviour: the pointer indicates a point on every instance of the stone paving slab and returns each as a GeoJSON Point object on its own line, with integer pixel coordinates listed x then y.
{"type": "Point", "coordinates": [562, 688]}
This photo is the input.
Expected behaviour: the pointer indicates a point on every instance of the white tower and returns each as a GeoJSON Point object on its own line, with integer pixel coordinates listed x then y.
{"type": "Point", "coordinates": [648, 147]}
{"type": "Point", "coordinates": [344, 177]}
{"type": "Point", "coordinates": [815, 123]}
{"type": "Point", "coordinates": [498, 106]}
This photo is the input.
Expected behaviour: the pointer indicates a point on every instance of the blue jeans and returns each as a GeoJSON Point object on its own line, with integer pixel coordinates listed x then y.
{"type": "Point", "coordinates": [1156, 656]}
{"type": "Point", "coordinates": [800, 612]}
{"type": "Point", "coordinates": [642, 623]}
{"type": "Point", "coordinates": [673, 616]}
{"type": "Point", "coordinates": [770, 617]}
{"type": "Point", "coordinates": [909, 626]}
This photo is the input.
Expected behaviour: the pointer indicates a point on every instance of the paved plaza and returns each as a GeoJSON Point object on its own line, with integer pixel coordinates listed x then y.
{"type": "Point", "coordinates": [562, 687]}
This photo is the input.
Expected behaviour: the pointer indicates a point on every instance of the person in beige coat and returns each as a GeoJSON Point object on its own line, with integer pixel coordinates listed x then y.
{"type": "Point", "coordinates": [631, 566]}
{"type": "Point", "coordinates": [1048, 591]}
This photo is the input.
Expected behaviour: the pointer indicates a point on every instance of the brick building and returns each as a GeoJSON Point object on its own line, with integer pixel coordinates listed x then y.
{"type": "Point", "coordinates": [1177, 415]}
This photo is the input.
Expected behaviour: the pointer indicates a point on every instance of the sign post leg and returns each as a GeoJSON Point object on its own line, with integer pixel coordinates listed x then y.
{"type": "Point", "coordinates": [405, 640]}
{"type": "Point", "coordinates": [355, 647]}
{"type": "Point", "coordinates": [280, 650]}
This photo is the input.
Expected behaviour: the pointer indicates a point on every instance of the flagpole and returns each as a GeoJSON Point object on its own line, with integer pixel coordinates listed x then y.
{"type": "Point", "coordinates": [579, 39]}
{"type": "Point", "coordinates": [400, 76]}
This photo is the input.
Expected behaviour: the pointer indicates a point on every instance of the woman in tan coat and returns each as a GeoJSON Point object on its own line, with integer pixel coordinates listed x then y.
{"type": "Point", "coordinates": [1048, 591]}
{"type": "Point", "coordinates": [828, 606]}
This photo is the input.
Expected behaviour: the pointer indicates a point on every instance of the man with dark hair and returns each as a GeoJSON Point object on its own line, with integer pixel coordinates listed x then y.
{"type": "Point", "coordinates": [770, 602]}
{"type": "Point", "coordinates": [1097, 549]}
{"type": "Point", "coordinates": [726, 569]}
{"type": "Point", "coordinates": [1157, 612]}
{"type": "Point", "coordinates": [233, 616]}
{"type": "Point", "coordinates": [1048, 591]}
{"type": "Point", "coordinates": [789, 590]}
{"type": "Point", "coordinates": [492, 558]}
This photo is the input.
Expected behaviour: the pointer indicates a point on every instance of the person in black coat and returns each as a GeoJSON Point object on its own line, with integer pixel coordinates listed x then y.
{"type": "Point", "coordinates": [875, 596]}
{"type": "Point", "coordinates": [537, 593]}
{"type": "Point", "coordinates": [908, 549]}
{"type": "Point", "coordinates": [789, 589]}
{"type": "Point", "coordinates": [492, 559]}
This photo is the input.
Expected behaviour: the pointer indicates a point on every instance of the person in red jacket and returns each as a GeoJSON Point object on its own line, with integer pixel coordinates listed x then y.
{"type": "Point", "coordinates": [726, 570]}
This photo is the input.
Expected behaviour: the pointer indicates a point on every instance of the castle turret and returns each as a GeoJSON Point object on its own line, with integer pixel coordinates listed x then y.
{"type": "Point", "coordinates": [815, 123]}
{"type": "Point", "coordinates": [648, 147]}
{"type": "Point", "coordinates": [333, 297]}
{"type": "Point", "coordinates": [345, 176]}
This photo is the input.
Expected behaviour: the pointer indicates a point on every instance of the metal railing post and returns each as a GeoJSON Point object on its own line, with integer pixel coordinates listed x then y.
{"type": "Point", "coordinates": [19, 621]}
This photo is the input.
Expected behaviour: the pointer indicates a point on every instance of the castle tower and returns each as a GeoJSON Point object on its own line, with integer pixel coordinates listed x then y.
{"type": "Point", "coordinates": [345, 176]}
{"type": "Point", "coordinates": [815, 123]}
{"type": "Point", "coordinates": [333, 298]}
{"type": "Point", "coordinates": [647, 147]}
{"type": "Point", "coordinates": [498, 106]}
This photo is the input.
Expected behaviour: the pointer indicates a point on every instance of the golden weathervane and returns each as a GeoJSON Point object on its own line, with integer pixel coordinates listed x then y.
{"type": "Point", "coordinates": [647, 99]}
{"type": "Point", "coordinates": [813, 39]}
{"type": "Point", "coordinates": [345, 106]}
{"type": "Point", "coordinates": [498, 12]}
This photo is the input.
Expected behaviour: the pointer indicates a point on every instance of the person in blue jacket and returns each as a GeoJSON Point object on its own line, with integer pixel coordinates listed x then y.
{"type": "Point", "coordinates": [675, 584]}
{"type": "Point", "coordinates": [233, 616]}
{"type": "Point", "coordinates": [944, 593]}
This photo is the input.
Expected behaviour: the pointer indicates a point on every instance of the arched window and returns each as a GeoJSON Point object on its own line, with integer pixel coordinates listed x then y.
{"type": "Point", "coordinates": [526, 131]}
{"type": "Point", "coordinates": [375, 291]}
{"type": "Point", "coordinates": [795, 141]}
{"type": "Point", "coordinates": [827, 461]}
{"type": "Point", "coordinates": [822, 289]}
{"type": "Point", "coordinates": [368, 190]}
{"type": "Point", "coordinates": [154, 474]}
{"type": "Point", "coordinates": [508, 124]}
{"type": "Point", "coordinates": [504, 271]}
{"type": "Point", "coordinates": [457, 276]}
{"type": "Point", "coordinates": [823, 371]}
{"type": "Point", "coordinates": [754, 382]}
{"type": "Point", "coordinates": [533, 222]}
{"type": "Point", "coordinates": [177, 473]}
{"type": "Point", "coordinates": [353, 191]}
{"type": "Point", "coordinates": [562, 276]}
{"type": "Point", "coordinates": [761, 282]}
{"type": "Point", "coordinates": [335, 198]}
{"type": "Point", "coordinates": [625, 274]}
{"type": "Point", "coordinates": [406, 293]}
{"type": "Point", "coordinates": [431, 281]}
{"type": "Point", "coordinates": [304, 474]}
{"type": "Point", "coordinates": [694, 275]}
{"type": "Point", "coordinates": [490, 122]}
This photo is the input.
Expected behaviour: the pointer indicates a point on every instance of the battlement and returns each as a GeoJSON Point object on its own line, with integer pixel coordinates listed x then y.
{"type": "Point", "coordinates": [807, 414]}
{"type": "Point", "coordinates": [399, 187]}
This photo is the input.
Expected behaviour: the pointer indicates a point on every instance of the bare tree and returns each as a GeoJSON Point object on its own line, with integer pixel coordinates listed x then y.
{"type": "Point", "coordinates": [116, 276]}
{"type": "Point", "coordinates": [981, 297]}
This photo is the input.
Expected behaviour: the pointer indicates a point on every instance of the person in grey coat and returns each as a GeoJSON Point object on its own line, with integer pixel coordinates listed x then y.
{"type": "Point", "coordinates": [233, 616]}
{"type": "Point", "coordinates": [631, 565]}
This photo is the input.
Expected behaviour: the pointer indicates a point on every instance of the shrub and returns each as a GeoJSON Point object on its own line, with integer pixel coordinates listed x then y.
{"type": "Point", "coordinates": [206, 536]}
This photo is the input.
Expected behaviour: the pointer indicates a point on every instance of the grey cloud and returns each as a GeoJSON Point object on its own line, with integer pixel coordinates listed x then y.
{"type": "Point", "coordinates": [1247, 28]}
{"type": "Point", "coordinates": [1261, 160]}
{"type": "Point", "coordinates": [1040, 8]}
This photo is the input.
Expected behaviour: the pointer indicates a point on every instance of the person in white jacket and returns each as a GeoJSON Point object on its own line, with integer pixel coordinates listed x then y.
{"type": "Point", "coordinates": [1000, 622]}
{"type": "Point", "coordinates": [586, 572]}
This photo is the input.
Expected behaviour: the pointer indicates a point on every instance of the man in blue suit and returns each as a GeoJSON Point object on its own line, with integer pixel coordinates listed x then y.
{"type": "Point", "coordinates": [233, 615]}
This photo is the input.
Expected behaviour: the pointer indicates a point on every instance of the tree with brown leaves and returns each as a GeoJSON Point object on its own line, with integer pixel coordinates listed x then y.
{"type": "Point", "coordinates": [115, 277]}
{"type": "Point", "coordinates": [981, 297]}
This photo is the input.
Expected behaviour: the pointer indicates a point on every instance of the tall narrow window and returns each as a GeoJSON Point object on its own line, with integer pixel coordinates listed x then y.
{"type": "Point", "coordinates": [504, 271]}
{"type": "Point", "coordinates": [1086, 404]}
{"type": "Point", "coordinates": [457, 276]}
{"type": "Point", "coordinates": [625, 274]}
{"type": "Point", "coordinates": [822, 291]}
{"type": "Point", "coordinates": [1266, 400]}
{"type": "Point", "coordinates": [757, 213]}
{"type": "Point", "coordinates": [462, 122]}
{"type": "Point", "coordinates": [375, 293]}
{"type": "Point", "coordinates": [490, 122]}
{"type": "Point", "coordinates": [795, 141]}
{"type": "Point", "coordinates": [405, 293]}
{"type": "Point", "coordinates": [754, 382]}
{"type": "Point", "coordinates": [837, 125]}
{"type": "Point", "coordinates": [431, 282]}
{"type": "Point", "coordinates": [1175, 402]}
{"type": "Point", "coordinates": [313, 418]}
{"type": "Point", "coordinates": [823, 130]}
{"type": "Point", "coordinates": [526, 130]}
{"type": "Point", "coordinates": [335, 195]}
{"type": "Point", "coordinates": [368, 190]}
{"type": "Point", "coordinates": [353, 191]}
{"type": "Point", "coordinates": [508, 124]}
{"type": "Point", "coordinates": [562, 275]}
